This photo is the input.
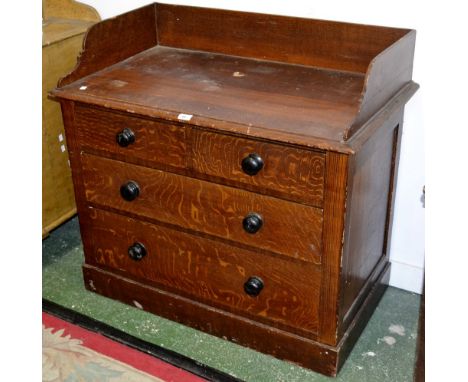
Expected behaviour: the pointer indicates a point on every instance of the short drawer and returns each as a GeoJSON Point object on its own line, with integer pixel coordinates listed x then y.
{"type": "Point", "coordinates": [287, 228]}
{"type": "Point", "coordinates": [285, 291]}
{"type": "Point", "coordinates": [130, 138]}
{"type": "Point", "coordinates": [274, 169]}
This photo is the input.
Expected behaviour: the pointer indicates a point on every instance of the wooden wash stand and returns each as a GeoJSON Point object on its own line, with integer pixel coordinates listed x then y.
{"type": "Point", "coordinates": [235, 172]}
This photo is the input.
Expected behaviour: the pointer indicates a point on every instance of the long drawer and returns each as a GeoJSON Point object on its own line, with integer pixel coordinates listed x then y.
{"type": "Point", "coordinates": [290, 229]}
{"type": "Point", "coordinates": [210, 271]}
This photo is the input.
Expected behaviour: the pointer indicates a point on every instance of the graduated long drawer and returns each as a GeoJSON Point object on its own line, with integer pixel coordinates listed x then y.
{"type": "Point", "coordinates": [210, 271]}
{"type": "Point", "coordinates": [291, 229]}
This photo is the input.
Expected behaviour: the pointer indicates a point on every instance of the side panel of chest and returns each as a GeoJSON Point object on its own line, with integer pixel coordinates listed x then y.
{"type": "Point", "coordinates": [371, 192]}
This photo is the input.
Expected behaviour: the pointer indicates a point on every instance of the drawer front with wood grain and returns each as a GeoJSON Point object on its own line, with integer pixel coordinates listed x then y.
{"type": "Point", "coordinates": [267, 288]}
{"type": "Point", "coordinates": [287, 228]}
{"type": "Point", "coordinates": [278, 170]}
{"type": "Point", "coordinates": [131, 138]}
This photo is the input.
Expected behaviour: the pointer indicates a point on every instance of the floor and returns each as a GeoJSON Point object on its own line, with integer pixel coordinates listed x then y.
{"type": "Point", "coordinates": [385, 351]}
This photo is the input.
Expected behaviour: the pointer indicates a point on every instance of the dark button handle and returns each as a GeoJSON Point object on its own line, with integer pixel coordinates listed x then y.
{"type": "Point", "coordinates": [137, 251]}
{"type": "Point", "coordinates": [252, 222]}
{"type": "Point", "coordinates": [130, 190]}
{"type": "Point", "coordinates": [125, 137]}
{"type": "Point", "coordinates": [253, 286]}
{"type": "Point", "coordinates": [252, 164]}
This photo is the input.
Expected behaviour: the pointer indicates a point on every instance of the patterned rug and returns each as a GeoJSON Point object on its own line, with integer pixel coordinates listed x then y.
{"type": "Point", "coordinates": [73, 354]}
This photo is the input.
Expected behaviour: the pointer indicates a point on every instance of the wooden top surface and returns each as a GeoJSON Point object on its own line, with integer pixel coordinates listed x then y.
{"type": "Point", "coordinates": [306, 82]}
{"type": "Point", "coordinates": [288, 98]}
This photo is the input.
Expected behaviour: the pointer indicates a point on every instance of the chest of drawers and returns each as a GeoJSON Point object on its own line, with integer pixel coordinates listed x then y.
{"type": "Point", "coordinates": [235, 171]}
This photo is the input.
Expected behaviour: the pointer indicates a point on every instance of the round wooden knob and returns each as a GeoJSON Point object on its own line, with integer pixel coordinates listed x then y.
{"type": "Point", "coordinates": [137, 251]}
{"type": "Point", "coordinates": [253, 286]}
{"type": "Point", "coordinates": [125, 137]}
{"type": "Point", "coordinates": [252, 164]}
{"type": "Point", "coordinates": [130, 190]}
{"type": "Point", "coordinates": [252, 222]}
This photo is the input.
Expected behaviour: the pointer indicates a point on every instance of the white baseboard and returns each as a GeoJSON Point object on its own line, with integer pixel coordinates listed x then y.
{"type": "Point", "coordinates": [406, 276]}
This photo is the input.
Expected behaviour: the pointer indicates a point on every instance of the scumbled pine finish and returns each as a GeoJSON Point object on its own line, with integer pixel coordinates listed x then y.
{"type": "Point", "coordinates": [235, 172]}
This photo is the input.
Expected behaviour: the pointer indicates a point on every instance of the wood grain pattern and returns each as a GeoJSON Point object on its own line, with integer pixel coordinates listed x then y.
{"type": "Point", "coordinates": [244, 72]}
{"type": "Point", "coordinates": [372, 169]}
{"type": "Point", "coordinates": [334, 45]}
{"type": "Point", "coordinates": [388, 73]}
{"type": "Point", "coordinates": [318, 100]}
{"type": "Point", "coordinates": [256, 94]}
{"type": "Point", "coordinates": [241, 330]}
{"type": "Point", "coordinates": [334, 210]}
{"type": "Point", "coordinates": [113, 40]}
{"type": "Point", "coordinates": [288, 172]}
{"type": "Point", "coordinates": [380, 120]}
{"type": "Point", "coordinates": [68, 113]}
{"type": "Point", "coordinates": [155, 142]}
{"type": "Point", "coordinates": [349, 305]}
{"type": "Point", "coordinates": [281, 344]}
{"type": "Point", "coordinates": [210, 271]}
{"type": "Point", "coordinates": [289, 229]}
